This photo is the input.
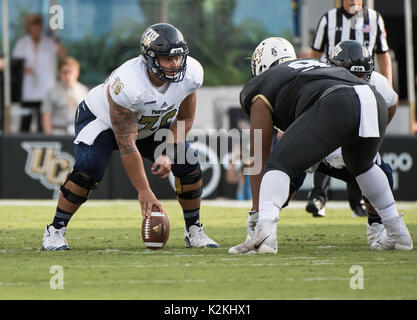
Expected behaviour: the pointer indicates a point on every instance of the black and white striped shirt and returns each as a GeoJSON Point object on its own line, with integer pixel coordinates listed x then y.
{"type": "Point", "coordinates": [336, 25]}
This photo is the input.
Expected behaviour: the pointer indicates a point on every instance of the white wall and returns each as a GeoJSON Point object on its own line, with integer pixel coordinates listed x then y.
{"type": "Point", "coordinates": [211, 98]}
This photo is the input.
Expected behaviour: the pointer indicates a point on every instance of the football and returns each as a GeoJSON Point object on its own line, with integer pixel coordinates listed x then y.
{"type": "Point", "coordinates": [155, 230]}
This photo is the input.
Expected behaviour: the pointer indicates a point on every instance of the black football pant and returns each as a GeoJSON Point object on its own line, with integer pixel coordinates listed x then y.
{"type": "Point", "coordinates": [329, 123]}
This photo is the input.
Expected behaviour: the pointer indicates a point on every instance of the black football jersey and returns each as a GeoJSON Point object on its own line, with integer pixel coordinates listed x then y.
{"type": "Point", "coordinates": [291, 88]}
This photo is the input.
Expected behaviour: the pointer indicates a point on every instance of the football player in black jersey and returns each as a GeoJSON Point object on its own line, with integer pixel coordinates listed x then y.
{"type": "Point", "coordinates": [320, 108]}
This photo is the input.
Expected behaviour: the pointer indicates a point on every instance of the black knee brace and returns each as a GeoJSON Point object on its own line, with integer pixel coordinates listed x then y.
{"type": "Point", "coordinates": [189, 186]}
{"type": "Point", "coordinates": [80, 180]}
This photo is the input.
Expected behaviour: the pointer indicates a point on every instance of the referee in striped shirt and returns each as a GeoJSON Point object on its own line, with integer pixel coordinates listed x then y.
{"type": "Point", "coordinates": [352, 21]}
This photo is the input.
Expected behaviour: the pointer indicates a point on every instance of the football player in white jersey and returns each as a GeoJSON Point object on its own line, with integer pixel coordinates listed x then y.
{"type": "Point", "coordinates": [352, 55]}
{"type": "Point", "coordinates": [155, 90]}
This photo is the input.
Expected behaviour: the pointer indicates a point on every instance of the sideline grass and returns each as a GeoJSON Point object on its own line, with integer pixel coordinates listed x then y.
{"type": "Point", "coordinates": [107, 258]}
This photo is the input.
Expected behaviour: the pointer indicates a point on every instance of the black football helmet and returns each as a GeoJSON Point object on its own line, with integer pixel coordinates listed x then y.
{"type": "Point", "coordinates": [163, 39]}
{"type": "Point", "coordinates": [351, 55]}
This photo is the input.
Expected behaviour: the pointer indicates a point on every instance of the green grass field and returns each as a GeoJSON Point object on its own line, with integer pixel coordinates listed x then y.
{"type": "Point", "coordinates": [108, 260]}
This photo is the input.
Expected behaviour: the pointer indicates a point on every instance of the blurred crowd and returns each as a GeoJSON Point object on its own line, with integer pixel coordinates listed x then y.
{"type": "Point", "coordinates": [51, 91]}
{"type": "Point", "coordinates": [47, 102]}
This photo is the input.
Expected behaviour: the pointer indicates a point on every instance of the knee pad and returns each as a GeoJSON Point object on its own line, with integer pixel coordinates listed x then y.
{"type": "Point", "coordinates": [80, 180]}
{"type": "Point", "coordinates": [189, 186]}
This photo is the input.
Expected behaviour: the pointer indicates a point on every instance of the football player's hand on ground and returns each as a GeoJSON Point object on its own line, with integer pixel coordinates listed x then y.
{"type": "Point", "coordinates": [147, 199]}
{"type": "Point", "coordinates": [162, 167]}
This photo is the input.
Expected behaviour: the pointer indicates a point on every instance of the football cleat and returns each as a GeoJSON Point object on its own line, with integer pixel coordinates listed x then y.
{"type": "Point", "coordinates": [264, 240]}
{"type": "Point", "coordinates": [316, 207]}
{"type": "Point", "coordinates": [397, 236]}
{"type": "Point", "coordinates": [360, 210]}
{"type": "Point", "coordinates": [54, 239]}
{"type": "Point", "coordinates": [375, 232]}
{"type": "Point", "coordinates": [196, 238]}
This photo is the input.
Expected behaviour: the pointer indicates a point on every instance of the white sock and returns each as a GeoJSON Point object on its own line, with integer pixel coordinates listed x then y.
{"type": "Point", "coordinates": [274, 191]}
{"type": "Point", "coordinates": [374, 185]}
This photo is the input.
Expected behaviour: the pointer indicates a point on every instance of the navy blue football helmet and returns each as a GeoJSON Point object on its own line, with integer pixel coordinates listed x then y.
{"type": "Point", "coordinates": [163, 39]}
{"type": "Point", "coordinates": [351, 55]}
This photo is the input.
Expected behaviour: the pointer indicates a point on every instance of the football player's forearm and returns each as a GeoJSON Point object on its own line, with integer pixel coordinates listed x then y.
{"type": "Point", "coordinates": [385, 66]}
{"type": "Point", "coordinates": [132, 160]}
{"type": "Point", "coordinates": [391, 111]}
{"type": "Point", "coordinates": [135, 170]}
{"type": "Point", "coordinates": [185, 125]}
{"type": "Point", "coordinates": [184, 120]}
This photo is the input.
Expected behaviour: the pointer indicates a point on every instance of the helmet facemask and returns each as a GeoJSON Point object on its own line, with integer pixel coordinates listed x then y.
{"type": "Point", "coordinates": [163, 73]}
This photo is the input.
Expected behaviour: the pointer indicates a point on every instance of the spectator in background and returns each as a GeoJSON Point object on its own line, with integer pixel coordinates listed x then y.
{"type": "Point", "coordinates": [39, 52]}
{"type": "Point", "coordinates": [352, 21]}
{"type": "Point", "coordinates": [61, 101]}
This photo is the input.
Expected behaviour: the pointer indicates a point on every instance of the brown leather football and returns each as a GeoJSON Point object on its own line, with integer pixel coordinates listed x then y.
{"type": "Point", "coordinates": [155, 230]}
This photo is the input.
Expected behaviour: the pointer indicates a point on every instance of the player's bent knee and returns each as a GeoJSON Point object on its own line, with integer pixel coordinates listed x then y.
{"type": "Point", "coordinates": [92, 163]}
{"type": "Point", "coordinates": [189, 186]}
{"type": "Point", "coordinates": [81, 180]}
{"type": "Point", "coordinates": [275, 165]}
{"type": "Point", "coordinates": [357, 169]}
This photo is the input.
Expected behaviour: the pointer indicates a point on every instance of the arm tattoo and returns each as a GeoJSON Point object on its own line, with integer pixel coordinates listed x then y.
{"type": "Point", "coordinates": [125, 127]}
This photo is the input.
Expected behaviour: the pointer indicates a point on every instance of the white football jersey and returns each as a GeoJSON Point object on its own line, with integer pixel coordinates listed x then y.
{"type": "Point", "coordinates": [131, 88]}
{"type": "Point", "coordinates": [381, 84]}
{"type": "Point", "coordinates": [383, 87]}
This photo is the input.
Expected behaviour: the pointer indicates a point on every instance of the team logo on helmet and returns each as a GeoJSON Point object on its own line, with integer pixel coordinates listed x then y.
{"type": "Point", "coordinates": [335, 51]}
{"type": "Point", "coordinates": [269, 52]}
{"type": "Point", "coordinates": [149, 36]}
{"type": "Point", "coordinates": [257, 55]}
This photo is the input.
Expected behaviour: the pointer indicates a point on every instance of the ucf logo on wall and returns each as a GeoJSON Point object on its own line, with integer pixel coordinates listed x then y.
{"type": "Point", "coordinates": [47, 163]}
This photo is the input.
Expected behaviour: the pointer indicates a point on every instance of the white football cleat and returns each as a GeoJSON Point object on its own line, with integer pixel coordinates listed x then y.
{"type": "Point", "coordinates": [264, 240]}
{"type": "Point", "coordinates": [54, 239]}
{"type": "Point", "coordinates": [375, 232]}
{"type": "Point", "coordinates": [196, 238]}
{"type": "Point", "coordinates": [397, 237]}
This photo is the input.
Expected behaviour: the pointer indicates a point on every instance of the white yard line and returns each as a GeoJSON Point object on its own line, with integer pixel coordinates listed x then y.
{"type": "Point", "coordinates": [204, 280]}
{"type": "Point", "coordinates": [210, 203]}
